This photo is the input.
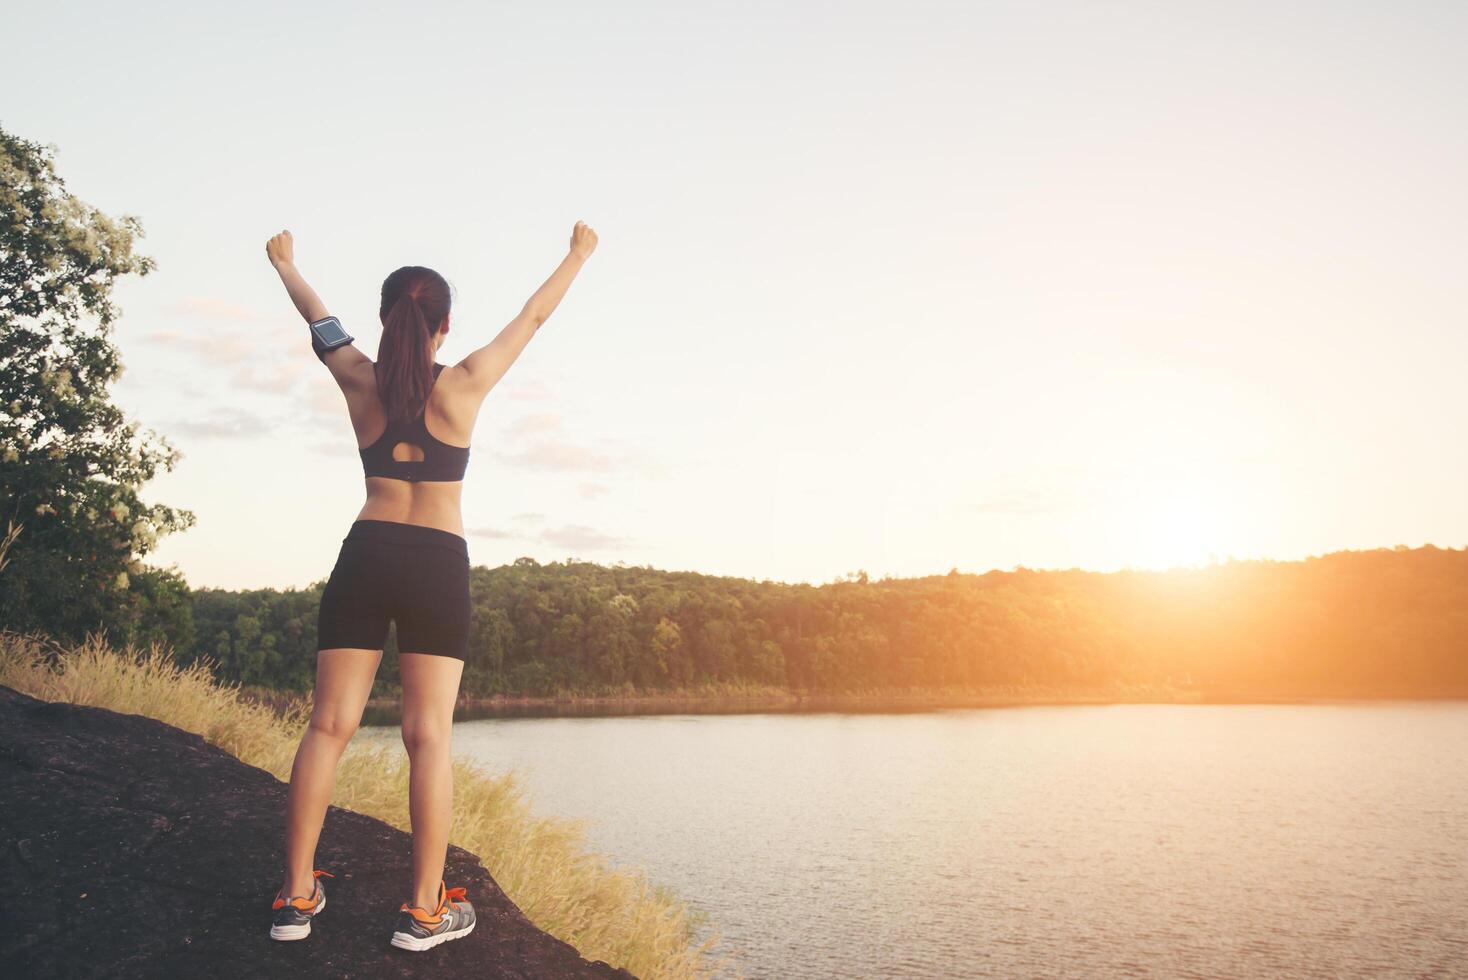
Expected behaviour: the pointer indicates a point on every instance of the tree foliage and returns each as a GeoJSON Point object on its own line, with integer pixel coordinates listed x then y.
{"type": "Point", "coordinates": [1386, 622]}
{"type": "Point", "coordinates": [71, 466]}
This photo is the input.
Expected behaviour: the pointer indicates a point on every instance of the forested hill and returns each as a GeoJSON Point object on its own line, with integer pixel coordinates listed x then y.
{"type": "Point", "coordinates": [1388, 622]}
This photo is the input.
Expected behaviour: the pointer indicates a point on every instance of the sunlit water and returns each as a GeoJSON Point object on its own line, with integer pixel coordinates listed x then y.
{"type": "Point", "coordinates": [1129, 840]}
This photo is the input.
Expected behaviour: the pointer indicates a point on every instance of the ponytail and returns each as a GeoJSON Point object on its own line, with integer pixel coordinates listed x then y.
{"type": "Point", "coordinates": [415, 301]}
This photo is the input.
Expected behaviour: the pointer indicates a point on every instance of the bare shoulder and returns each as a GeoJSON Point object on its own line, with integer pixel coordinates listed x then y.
{"type": "Point", "coordinates": [460, 394]}
{"type": "Point", "coordinates": [454, 380]}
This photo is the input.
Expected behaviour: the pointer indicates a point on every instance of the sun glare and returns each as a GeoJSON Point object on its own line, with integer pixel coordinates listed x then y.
{"type": "Point", "coordinates": [1183, 527]}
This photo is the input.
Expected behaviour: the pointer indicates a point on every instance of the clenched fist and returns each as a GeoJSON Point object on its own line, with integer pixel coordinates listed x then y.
{"type": "Point", "coordinates": [281, 249]}
{"type": "Point", "coordinates": [583, 239]}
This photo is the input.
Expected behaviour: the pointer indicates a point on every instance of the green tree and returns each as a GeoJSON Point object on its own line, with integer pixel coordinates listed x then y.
{"type": "Point", "coordinates": [71, 465]}
{"type": "Point", "coordinates": [664, 661]}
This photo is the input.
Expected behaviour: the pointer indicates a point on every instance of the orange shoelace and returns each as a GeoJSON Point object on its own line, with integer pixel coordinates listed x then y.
{"type": "Point", "coordinates": [302, 903]}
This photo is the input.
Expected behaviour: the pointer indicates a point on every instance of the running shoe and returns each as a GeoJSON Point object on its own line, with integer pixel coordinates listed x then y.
{"type": "Point", "coordinates": [293, 916]}
{"type": "Point", "coordinates": [418, 929]}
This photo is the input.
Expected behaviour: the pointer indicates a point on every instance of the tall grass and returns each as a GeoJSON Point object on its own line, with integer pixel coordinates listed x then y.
{"type": "Point", "coordinates": [607, 912]}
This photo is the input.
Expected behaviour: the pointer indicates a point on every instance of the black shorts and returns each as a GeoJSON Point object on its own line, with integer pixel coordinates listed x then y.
{"type": "Point", "coordinates": [414, 575]}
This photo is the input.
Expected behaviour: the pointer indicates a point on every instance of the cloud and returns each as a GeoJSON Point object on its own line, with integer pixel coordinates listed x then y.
{"type": "Point", "coordinates": [590, 491]}
{"type": "Point", "coordinates": [524, 444]}
{"type": "Point", "coordinates": [264, 356]}
{"type": "Point", "coordinates": [214, 308]}
{"type": "Point", "coordinates": [489, 532]}
{"type": "Point", "coordinates": [343, 447]}
{"type": "Point", "coordinates": [558, 457]}
{"type": "Point", "coordinates": [1051, 491]}
{"type": "Point", "coordinates": [648, 466]}
{"type": "Point", "coordinates": [323, 402]}
{"type": "Point", "coordinates": [275, 376]}
{"type": "Point", "coordinates": [220, 329]}
{"type": "Point", "coordinates": [202, 343]}
{"type": "Point", "coordinates": [535, 423]}
{"type": "Point", "coordinates": [577, 537]}
{"type": "Point", "coordinates": [239, 425]}
{"type": "Point", "coordinates": [528, 390]}
{"type": "Point", "coordinates": [583, 538]}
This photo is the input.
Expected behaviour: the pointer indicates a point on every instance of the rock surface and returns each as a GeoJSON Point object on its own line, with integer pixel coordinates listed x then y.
{"type": "Point", "coordinates": [132, 849]}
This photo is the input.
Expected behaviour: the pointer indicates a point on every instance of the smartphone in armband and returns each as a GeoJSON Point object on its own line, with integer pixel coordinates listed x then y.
{"type": "Point", "coordinates": [327, 334]}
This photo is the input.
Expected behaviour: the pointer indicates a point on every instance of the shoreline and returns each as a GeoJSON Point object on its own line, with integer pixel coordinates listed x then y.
{"type": "Point", "coordinates": [782, 700]}
{"type": "Point", "coordinates": [880, 701]}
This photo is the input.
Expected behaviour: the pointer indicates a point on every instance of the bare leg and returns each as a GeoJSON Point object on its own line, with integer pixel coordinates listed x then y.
{"type": "Point", "coordinates": [343, 683]}
{"type": "Point", "coordinates": [430, 688]}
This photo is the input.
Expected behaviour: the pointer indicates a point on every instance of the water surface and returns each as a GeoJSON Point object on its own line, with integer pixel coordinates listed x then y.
{"type": "Point", "coordinates": [1094, 841]}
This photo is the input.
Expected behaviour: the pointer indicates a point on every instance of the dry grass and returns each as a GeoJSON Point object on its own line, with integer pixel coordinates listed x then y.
{"type": "Point", "coordinates": [608, 913]}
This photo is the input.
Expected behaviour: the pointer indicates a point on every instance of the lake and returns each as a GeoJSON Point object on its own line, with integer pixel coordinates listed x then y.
{"type": "Point", "coordinates": [1092, 841]}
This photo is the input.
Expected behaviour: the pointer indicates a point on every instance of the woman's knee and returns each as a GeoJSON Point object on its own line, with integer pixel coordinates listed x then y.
{"type": "Point", "coordinates": [423, 734]}
{"type": "Point", "coordinates": [334, 723]}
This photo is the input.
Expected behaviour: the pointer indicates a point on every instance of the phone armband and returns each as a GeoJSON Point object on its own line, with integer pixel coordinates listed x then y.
{"type": "Point", "coordinates": [327, 334]}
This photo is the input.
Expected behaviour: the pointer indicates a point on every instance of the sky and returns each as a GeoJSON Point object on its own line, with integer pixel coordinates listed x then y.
{"type": "Point", "coordinates": [897, 288]}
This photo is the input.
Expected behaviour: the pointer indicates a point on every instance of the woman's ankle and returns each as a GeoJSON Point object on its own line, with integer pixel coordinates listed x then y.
{"type": "Point", "coordinates": [429, 904]}
{"type": "Point", "coordinates": [298, 888]}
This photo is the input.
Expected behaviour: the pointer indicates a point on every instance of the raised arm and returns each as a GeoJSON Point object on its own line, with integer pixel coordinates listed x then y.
{"type": "Point", "coordinates": [485, 366]}
{"type": "Point", "coordinates": [346, 362]}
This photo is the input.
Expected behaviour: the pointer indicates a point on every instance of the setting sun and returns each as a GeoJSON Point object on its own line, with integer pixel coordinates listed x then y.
{"type": "Point", "coordinates": [1179, 526]}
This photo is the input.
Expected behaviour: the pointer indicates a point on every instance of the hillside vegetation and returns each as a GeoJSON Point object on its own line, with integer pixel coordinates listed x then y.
{"type": "Point", "coordinates": [1387, 622]}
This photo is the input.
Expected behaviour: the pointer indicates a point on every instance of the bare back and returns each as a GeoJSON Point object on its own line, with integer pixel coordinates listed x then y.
{"type": "Point", "coordinates": [449, 416]}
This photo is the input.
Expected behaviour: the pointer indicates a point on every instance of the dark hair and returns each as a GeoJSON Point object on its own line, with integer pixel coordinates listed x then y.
{"type": "Point", "coordinates": [415, 301]}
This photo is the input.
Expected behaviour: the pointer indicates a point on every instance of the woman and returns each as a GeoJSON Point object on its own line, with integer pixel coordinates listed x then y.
{"type": "Point", "coordinates": [405, 559]}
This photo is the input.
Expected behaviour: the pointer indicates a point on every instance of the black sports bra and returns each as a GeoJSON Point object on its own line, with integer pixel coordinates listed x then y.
{"type": "Point", "coordinates": [440, 463]}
